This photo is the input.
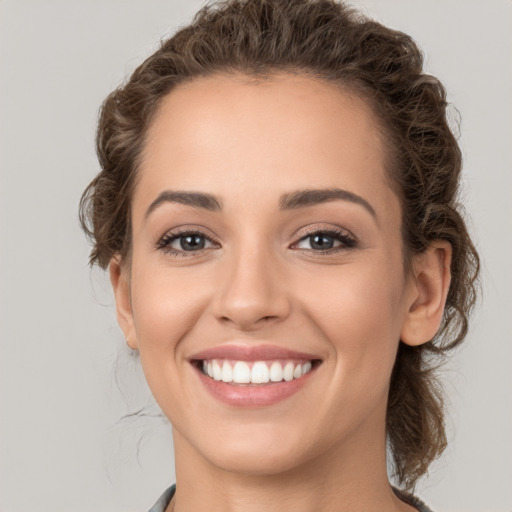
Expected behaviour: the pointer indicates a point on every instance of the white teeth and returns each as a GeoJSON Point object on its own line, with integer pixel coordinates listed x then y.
{"type": "Point", "coordinates": [227, 372]}
{"type": "Point", "coordinates": [217, 372]}
{"type": "Point", "coordinates": [261, 372]}
{"type": "Point", "coordinates": [288, 372]}
{"type": "Point", "coordinates": [241, 373]}
{"type": "Point", "coordinates": [306, 367]}
{"type": "Point", "coordinates": [276, 372]}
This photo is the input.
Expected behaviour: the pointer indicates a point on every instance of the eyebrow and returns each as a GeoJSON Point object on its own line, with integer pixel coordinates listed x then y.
{"type": "Point", "coordinates": [195, 199]}
{"type": "Point", "coordinates": [312, 197]}
{"type": "Point", "coordinates": [289, 201]}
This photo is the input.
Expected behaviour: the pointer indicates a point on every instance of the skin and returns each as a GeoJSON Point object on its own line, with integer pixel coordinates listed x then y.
{"type": "Point", "coordinates": [261, 281]}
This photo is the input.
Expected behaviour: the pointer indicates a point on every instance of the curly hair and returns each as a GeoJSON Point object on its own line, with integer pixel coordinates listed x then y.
{"type": "Point", "coordinates": [327, 40]}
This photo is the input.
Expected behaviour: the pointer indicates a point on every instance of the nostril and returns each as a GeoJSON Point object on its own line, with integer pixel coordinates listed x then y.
{"type": "Point", "coordinates": [249, 323]}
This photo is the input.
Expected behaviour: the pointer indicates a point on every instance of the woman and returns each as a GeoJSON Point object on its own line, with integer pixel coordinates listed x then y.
{"type": "Point", "coordinates": [277, 209]}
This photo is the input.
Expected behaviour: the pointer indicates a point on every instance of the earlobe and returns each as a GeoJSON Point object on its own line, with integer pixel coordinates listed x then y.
{"type": "Point", "coordinates": [121, 286]}
{"type": "Point", "coordinates": [429, 290]}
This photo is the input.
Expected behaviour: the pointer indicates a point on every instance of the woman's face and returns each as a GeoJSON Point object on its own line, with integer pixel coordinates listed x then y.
{"type": "Point", "coordinates": [266, 249]}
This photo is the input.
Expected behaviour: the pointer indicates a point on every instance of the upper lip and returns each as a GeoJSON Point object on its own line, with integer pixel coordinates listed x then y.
{"type": "Point", "coordinates": [251, 353]}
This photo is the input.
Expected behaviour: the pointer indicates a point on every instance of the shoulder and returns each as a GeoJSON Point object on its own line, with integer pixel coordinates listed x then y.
{"type": "Point", "coordinates": [412, 500]}
{"type": "Point", "coordinates": [164, 500]}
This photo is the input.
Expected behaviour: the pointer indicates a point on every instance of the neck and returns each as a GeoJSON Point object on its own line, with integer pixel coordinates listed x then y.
{"type": "Point", "coordinates": [351, 477]}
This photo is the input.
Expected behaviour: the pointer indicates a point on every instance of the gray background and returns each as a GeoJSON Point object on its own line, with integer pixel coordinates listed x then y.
{"type": "Point", "coordinates": [65, 377]}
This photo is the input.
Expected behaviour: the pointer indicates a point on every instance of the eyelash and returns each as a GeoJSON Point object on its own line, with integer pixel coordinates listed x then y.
{"type": "Point", "coordinates": [165, 242]}
{"type": "Point", "coordinates": [347, 242]}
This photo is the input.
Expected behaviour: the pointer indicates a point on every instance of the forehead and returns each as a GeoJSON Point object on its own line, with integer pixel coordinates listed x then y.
{"type": "Point", "coordinates": [222, 134]}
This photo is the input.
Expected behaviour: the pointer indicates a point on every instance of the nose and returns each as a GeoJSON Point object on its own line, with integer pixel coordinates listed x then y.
{"type": "Point", "coordinates": [252, 292]}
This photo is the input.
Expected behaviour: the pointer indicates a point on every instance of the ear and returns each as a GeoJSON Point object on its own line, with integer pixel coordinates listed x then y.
{"type": "Point", "coordinates": [120, 279]}
{"type": "Point", "coordinates": [428, 292]}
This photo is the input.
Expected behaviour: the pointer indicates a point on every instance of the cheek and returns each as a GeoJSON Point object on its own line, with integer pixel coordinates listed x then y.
{"type": "Point", "coordinates": [162, 310]}
{"type": "Point", "coordinates": [167, 306]}
{"type": "Point", "coordinates": [358, 297]}
{"type": "Point", "coordinates": [360, 312]}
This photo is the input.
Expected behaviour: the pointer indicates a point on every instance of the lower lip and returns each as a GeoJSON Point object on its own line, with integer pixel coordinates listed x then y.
{"type": "Point", "coordinates": [257, 395]}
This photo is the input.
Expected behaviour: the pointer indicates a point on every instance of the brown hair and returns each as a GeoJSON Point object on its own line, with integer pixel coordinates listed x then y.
{"type": "Point", "coordinates": [327, 40]}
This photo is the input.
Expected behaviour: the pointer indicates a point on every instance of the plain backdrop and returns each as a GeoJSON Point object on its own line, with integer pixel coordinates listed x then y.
{"type": "Point", "coordinates": [65, 377]}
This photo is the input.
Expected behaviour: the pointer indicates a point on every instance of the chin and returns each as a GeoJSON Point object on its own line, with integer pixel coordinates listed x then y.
{"type": "Point", "coordinates": [258, 450]}
{"type": "Point", "coordinates": [251, 461]}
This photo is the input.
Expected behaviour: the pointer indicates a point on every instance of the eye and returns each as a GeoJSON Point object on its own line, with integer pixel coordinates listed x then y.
{"type": "Point", "coordinates": [178, 244]}
{"type": "Point", "coordinates": [325, 241]}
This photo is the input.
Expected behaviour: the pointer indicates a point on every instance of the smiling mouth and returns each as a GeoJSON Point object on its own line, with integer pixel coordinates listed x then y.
{"type": "Point", "coordinates": [255, 372]}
